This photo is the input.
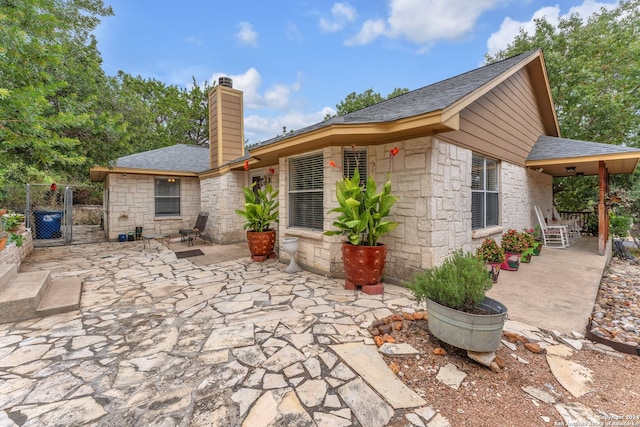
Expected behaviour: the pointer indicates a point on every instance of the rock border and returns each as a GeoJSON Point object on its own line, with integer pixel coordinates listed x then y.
{"type": "Point", "coordinates": [616, 345]}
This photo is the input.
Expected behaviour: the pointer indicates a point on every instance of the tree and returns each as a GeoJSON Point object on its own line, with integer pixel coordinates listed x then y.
{"type": "Point", "coordinates": [46, 51]}
{"type": "Point", "coordinates": [357, 101]}
{"type": "Point", "coordinates": [594, 75]}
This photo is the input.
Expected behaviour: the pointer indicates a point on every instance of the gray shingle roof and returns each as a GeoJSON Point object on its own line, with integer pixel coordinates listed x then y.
{"type": "Point", "coordinates": [179, 158]}
{"type": "Point", "coordinates": [430, 98]}
{"type": "Point", "coordinates": [549, 147]}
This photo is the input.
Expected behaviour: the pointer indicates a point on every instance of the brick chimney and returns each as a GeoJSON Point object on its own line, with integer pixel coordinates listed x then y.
{"type": "Point", "coordinates": [226, 123]}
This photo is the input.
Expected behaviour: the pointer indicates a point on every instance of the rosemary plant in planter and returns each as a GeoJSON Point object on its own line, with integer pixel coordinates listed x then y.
{"type": "Point", "coordinates": [460, 313]}
{"type": "Point", "coordinates": [260, 211]}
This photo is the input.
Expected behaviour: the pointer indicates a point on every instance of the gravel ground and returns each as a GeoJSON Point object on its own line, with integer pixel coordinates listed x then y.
{"type": "Point", "coordinates": [487, 398]}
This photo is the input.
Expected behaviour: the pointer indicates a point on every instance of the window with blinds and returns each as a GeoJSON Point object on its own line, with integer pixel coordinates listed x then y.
{"type": "Point", "coordinates": [355, 158]}
{"type": "Point", "coordinates": [306, 184]}
{"type": "Point", "coordinates": [484, 192]}
{"type": "Point", "coordinates": [167, 197]}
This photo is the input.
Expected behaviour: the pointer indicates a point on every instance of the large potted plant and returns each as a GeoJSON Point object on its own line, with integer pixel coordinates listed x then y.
{"type": "Point", "coordinates": [362, 218]}
{"type": "Point", "coordinates": [260, 211]}
{"type": "Point", "coordinates": [460, 313]}
{"type": "Point", "coordinates": [492, 255]}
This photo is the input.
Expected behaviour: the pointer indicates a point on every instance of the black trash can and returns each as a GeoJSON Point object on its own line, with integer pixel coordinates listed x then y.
{"type": "Point", "coordinates": [48, 224]}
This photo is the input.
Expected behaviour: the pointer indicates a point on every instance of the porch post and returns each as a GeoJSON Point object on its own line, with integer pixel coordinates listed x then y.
{"type": "Point", "coordinates": [603, 215]}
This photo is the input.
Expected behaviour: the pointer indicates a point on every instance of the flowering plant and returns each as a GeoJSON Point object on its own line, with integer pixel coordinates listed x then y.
{"type": "Point", "coordinates": [513, 241]}
{"type": "Point", "coordinates": [529, 237]}
{"type": "Point", "coordinates": [489, 251]}
{"type": "Point", "coordinates": [362, 209]}
{"type": "Point", "coordinates": [260, 205]}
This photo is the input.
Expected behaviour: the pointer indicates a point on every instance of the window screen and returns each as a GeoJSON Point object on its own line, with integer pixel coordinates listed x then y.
{"type": "Point", "coordinates": [167, 197]}
{"type": "Point", "coordinates": [306, 186]}
{"type": "Point", "coordinates": [484, 192]}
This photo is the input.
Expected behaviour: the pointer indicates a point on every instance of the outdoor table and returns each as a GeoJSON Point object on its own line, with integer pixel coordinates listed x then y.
{"type": "Point", "coordinates": [147, 237]}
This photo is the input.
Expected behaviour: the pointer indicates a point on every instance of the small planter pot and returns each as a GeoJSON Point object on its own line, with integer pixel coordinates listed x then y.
{"type": "Point", "coordinates": [261, 244]}
{"type": "Point", "coordinates": [511, 261]}
{"type": "Point", "coordinates": [537, 248]}
{"type": "Point", "coordinates": [494, 270]}
{"type": "Point", "coordinates": [526, 255]}
{"type": "Point", "coordinates": [3, 243]}
{"type": "Point", "coordinates": [475, 332]}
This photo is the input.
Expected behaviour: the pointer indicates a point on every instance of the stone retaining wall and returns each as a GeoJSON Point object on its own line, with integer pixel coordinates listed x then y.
{"type": "Point", "coordinates": [12, 254]}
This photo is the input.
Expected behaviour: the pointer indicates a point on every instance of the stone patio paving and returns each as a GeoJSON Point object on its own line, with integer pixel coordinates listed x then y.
{"type": "Point", "coordinates": [161, 341]}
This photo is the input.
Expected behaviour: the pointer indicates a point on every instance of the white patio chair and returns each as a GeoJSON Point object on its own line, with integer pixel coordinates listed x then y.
{"type": "Point", "coordinates": [573, 226]}
{"type": "Point", "coordinates": [553, 236]}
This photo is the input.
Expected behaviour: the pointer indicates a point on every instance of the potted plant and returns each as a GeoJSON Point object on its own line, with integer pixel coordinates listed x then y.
{"type": "Point", "coordinates": [460, 313]}
{"type": "Point", "coordinates": [513, 244]}
{"type": "Point", "coordinates": [492, 255]}
{"type": "Point", "coordinates": [13, 221]}
{"type": "Point", "coordinates": [534, 247]}
{"type": "Point", "coordinates": [260, 211]}
{"type": "Point", "coordinates": [362, 218]}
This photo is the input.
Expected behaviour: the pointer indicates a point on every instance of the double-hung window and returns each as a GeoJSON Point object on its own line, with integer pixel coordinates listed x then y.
{"type": "Point", "coordinates": [167, 197]}
{"type": "Point", "coordinates": [484, 192]}
{"type": "Point", "coordinates": [306, 191]}
{"type": "Point", "coordinates": [353, 158]}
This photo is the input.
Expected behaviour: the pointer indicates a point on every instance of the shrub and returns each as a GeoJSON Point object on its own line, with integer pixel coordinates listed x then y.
{"type": "Point", "coordinates": [460, 282]}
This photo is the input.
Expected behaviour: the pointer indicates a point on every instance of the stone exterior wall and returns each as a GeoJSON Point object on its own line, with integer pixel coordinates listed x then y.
{"type": "Point", "coordinates": [87, 214]}
{"type": "Point", "coordinates": [12, 254]}
{"type": "Point", "coordinates": [132, 204]}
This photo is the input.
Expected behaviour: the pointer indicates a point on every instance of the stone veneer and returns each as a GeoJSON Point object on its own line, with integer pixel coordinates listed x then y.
{"type": "Point", "coordinates": [432, 179]}
{"type": "Point", "coordinates": [132, 204]}
{"type": "Point", "coordinates": [12, 254]}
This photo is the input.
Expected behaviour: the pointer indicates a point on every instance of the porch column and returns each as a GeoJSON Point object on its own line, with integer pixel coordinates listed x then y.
{"type": "Point", "coordinates": [603, 215]}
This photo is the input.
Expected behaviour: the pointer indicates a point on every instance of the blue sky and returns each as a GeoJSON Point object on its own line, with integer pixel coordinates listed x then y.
{"type": "Point", "coordinates": [296, 59]}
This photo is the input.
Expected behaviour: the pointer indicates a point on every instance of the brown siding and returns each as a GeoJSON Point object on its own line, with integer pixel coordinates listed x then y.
{"type": "Point", "coordinates": [226, 133]}
{"type": "Point", "coordinates": [213, 130]}
{"type": "Point", "coordinates": [505, 123]}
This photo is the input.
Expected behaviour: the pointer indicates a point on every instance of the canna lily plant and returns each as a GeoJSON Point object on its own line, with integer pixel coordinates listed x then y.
{"type": "Point", "coordinates": [261, 209]}
{"type": "Point", "coordinates": [362, 209]}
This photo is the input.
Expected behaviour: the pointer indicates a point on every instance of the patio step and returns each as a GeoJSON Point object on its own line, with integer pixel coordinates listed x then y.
{"type": "Point", "coordinates": [7, 273]}
{"type": "Point", "coordinates": [34, 294]}
{"type": "Point", "coordinates": [62, 295]}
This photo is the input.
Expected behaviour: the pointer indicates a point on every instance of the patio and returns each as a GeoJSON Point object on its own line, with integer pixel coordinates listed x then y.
{"type": "Point", "coordinates": [556, 290]}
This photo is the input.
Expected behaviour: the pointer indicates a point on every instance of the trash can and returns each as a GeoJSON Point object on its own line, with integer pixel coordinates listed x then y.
{"type": "Point", "coordinates": [122, 237]}
{"type": "Point", "coordinates": [48, 224]}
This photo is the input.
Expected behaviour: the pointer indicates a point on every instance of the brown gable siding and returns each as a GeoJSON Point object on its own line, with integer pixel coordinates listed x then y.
{"type": "Point", "coordinates": [504, 124]}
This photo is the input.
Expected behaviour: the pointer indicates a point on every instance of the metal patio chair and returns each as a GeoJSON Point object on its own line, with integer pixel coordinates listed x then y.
{"type": "Point", "coordinates": [190, 234]}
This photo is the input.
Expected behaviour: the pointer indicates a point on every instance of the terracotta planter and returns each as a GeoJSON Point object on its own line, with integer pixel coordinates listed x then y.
{"type": "Point", "coordinates": [511, 261]}
{"type": "Point", "coordinates": [261, 244]}
{"type": "Point", "coordinates": [363, 266]}
{"type": "Point", "coordinates": [3, 243]}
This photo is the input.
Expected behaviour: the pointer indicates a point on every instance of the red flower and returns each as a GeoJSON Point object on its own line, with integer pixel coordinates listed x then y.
{"type": "Point", "coordinates": [53, 187]}
{"type": "Point", "coordinates": [272, 171]}
{"type": "Point", "coordinates": [246, 165]}
{"type": "Point", "coordinates": [394, 151]}
{"type": "Point", "coordinates": [332, 164]}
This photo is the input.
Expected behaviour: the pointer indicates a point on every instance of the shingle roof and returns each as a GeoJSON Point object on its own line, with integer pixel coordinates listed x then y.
{"type": "Point", "coordinates": [179, 158]}
{"type": "Point", "coordinates": [430, 98]}
{"type": "Point", "coordinates": [549, 147]}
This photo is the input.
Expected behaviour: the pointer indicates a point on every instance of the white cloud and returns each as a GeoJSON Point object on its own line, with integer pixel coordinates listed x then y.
{"type": "Point", "coordinates": [510, 28]}
{"type": "Point", "coordinates": [422, 24]}
{"type": "Point", "coordinates": [246, 35]}
{"type": "Point", "coordinates": [342, 14]}
{"type": "Point", "coordinates": [260, 128]}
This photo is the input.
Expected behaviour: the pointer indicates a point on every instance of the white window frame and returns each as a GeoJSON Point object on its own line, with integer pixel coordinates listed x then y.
{"type": "Point", "coordinates": [157, 197]}
{"type": "Point", "coordinates": [308, 185]}
{"type": "Point", "coordinates": [485, 189]}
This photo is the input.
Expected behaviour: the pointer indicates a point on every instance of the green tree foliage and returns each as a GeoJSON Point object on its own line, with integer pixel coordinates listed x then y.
{"type": "Point", "coordinates": [357, 101]}
{"type": "Point", "coordinates": [45, 49]}
{"type": "Point", "coordinates": [594, 74]}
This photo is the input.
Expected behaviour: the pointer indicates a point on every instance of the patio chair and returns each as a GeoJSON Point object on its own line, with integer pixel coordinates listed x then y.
{"type": "Point", "coordinates": [189, 234]}
{"type": "Point", "coordinates": [572, 223]}
{"type": "Point", "coordinates": [553, 236]}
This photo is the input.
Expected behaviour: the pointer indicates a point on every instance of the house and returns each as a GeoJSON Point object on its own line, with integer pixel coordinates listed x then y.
{"type": "Point", "coordinates": [476, 153]}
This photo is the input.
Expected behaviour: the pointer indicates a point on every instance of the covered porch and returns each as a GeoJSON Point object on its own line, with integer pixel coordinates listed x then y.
{"type": "Point", "coordinates": [556, 290]}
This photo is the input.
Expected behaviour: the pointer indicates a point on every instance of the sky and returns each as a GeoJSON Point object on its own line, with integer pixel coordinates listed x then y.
{"type": "Point", "coordinates": [295, 60]}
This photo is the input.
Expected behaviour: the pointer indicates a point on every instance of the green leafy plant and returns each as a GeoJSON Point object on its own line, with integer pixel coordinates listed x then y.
{"type": "Point", "coordinates": [489, 251]}
{"type": "Point", "coordinates": [460, 282]}
{"type": "Point", "coordinates": [260, 208]}
{"type": "Point", "coordinates": [529, 237]}
{"type": "Point", "coordinates": [513, 241]}
{"type": "Point", "coordinates": [16, 238]}
{"type": "Point", "coordinates": [619, 224]}
{"type": "Point", "coordinates": [363, 209]}
{"type": "Point", "coordinates": [12, 220]}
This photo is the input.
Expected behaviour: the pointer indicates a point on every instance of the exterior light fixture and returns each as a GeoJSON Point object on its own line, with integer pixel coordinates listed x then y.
{"type": "Point", "coordinates": [570, 169]}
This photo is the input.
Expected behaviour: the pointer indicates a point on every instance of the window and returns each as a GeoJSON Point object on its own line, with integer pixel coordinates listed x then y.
{"type": "Point", "coordinates": [306, 192]}
{"type": "Point", "coordinates": [484, 192]}
{"type": "Point", "coordinates": [167, 197]}
{"type": "Point", "coordinates": [352, 158]}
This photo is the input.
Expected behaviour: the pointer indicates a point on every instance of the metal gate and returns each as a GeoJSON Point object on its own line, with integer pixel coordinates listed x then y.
{"type": "Point", "coordinates": [49, 213]}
